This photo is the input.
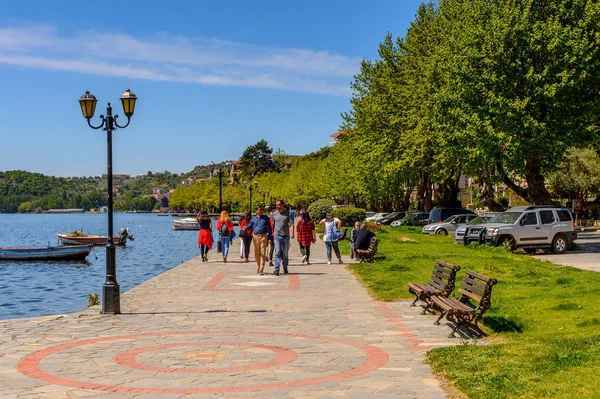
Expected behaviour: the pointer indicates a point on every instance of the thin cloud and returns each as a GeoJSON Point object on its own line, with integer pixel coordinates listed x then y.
{"type": "Point", "coordinates": [165, 57]}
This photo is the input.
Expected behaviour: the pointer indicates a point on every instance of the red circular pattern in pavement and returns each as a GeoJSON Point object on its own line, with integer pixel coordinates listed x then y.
{"type": "Point", "coordinates": [127, 359]}
{"type": "Point", "coordinates": [30, 365]}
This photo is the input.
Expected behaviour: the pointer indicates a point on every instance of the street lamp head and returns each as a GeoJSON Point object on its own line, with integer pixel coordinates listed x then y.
{"type": "Point", "coordinates": [128, 100]}
{"type": "Point", "coordinates": [88, 105]}
{"type": "Point", "coordinates": [245, 184]}
{"type": "Point", "coordinates": [255, 184]}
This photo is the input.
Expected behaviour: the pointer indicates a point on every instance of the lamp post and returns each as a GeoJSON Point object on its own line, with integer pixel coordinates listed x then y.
{"type": "Point", "coordinates": [260, 193]}
{"type": "Point", "coordinates": [269, 197]}
{"type": "Point", "coordinates": [220, 174]}
{"type": "Point", "coordinates": [255, 184]}
{"type": "Point", "coordinates": [111, 297]}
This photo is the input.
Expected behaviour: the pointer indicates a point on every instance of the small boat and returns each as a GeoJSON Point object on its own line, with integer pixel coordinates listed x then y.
{"type": "Point", "coordinates": [79, 238]}
{"type": "Point", "coordinates": [185, 224]}
{"type": "Point", "coordinates": [70, 252]}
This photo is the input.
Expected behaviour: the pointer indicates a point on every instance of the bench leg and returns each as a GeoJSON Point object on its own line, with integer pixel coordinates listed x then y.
{"type": "Point", "coordinates": [437, 322]}
{"type": "Point", "coordinates": [412, 305]}
{"type": "Point", "coordinates": [454, 328]}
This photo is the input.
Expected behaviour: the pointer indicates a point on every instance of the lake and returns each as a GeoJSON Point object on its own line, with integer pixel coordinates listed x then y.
{"type": "Point", "coordinates": [39, 288]}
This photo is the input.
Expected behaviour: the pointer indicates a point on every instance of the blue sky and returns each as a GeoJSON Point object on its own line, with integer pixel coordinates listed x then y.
{"type": "Point", "coordinates": [212, 78]}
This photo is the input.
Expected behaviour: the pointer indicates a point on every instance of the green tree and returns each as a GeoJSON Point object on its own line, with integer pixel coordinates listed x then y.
{"type": "Point", "coordinates": [257, 158]}
{"type": "Point", "coordinates": [578, 175]}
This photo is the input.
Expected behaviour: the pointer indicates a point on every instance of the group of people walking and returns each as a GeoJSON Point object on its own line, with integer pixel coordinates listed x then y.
{"type": "Point", "coordinates": [270, 236]}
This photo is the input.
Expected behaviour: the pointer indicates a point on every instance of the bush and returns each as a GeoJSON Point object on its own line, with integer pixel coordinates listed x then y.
{"type": "Point", "coordinates": [503, 202]}
{"type": "Point", "coordinates": [319, 208]}
{"type": "Point", "coordinates": [350, 215]}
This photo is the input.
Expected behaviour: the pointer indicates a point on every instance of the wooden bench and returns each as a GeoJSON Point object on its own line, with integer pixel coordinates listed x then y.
{"type": "Point", "coordinates": [441, 283]}
{"type": "Point", "coordinates": [366, 255]}
{"type": "Point", "coordinates": [476, 290]}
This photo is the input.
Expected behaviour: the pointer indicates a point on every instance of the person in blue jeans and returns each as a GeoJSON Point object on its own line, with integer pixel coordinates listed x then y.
{"type": "Point", "coordinates": [225, 229]}
{"type": "Point", "coordinates": [331, 236]}
{"type": "Point", "coordinates": [283, 228]}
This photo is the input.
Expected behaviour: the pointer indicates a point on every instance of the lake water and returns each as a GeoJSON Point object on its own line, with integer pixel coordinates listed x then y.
{"type": "Point", "coordinates": [39, 288]}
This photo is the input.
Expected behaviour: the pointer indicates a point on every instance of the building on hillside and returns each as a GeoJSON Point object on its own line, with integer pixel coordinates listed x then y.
{"type": "Point", "coordinates": [189, 181]}
{"type": "Point", "coordinates": [335, 137]}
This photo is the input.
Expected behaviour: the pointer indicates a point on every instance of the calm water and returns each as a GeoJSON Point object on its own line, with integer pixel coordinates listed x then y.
{"type": "Point", "coordinates": [36, 288]}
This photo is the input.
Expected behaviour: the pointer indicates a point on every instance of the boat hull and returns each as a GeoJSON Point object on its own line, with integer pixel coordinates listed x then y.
{"type": "Point", "coordinates": [65, 239]}
{"type": "Point", "coordinates": [185, 224]}
{"type": "Point", "coordinates": [73, 252]}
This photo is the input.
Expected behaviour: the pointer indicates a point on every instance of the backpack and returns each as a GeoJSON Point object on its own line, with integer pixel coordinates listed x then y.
{"type": "Point", "coordinates": [224, 230]}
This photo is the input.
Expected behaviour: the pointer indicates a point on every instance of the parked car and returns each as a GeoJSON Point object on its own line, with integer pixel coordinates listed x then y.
{"type": "Point", "coordinates": [449, 225]}
{"type": "Point", "coordinates": [375, 216]}
{"type": "Point", "coordinates": [412, 219]}
{"type": "Point", "coordinates": [390, 218]}
{"type": "Point", "coordinates": [530, 228]}
{"type": "Point", "coordinates": [438, 215]}
{"type": "Point", "coordinates": [459, 234]}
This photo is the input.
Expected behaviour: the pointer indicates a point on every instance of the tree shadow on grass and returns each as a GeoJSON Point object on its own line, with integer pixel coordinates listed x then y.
{"type": "Point", "coordinates": [503, 324]}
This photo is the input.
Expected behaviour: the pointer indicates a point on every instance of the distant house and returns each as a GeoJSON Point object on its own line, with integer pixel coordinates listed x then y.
{"type": "Point", "coordinates": [188, 182]}
{"type": "Point", "coordinates": [335, 137]}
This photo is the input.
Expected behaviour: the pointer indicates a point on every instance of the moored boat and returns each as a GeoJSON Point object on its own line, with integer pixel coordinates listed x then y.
{"type": "Point", "coordinates": [70, 252]}
{"type": "Point", "coordinates": [185, 224]}
{"type": "Point", "coordinates": [79, 238]}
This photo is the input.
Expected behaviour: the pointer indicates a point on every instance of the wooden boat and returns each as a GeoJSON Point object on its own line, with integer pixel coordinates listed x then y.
{"type": "Point", "coordinates": [71, 252]}
{"type": "Point", "coordinates": [185, 224]}
{"type": "Point", "coordinates": [79, 238]}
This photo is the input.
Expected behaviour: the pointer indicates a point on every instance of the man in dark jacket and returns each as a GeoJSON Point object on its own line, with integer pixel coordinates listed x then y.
{"type": "Point", "coordinates": [362, 238]}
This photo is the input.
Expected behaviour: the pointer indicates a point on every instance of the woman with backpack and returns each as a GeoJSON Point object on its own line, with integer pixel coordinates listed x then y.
{"type": "Point", "coordinates": [205, 239]}
{"type": "Point", "coordinates": [246, 235]}
{"type": "Point", "coordinates": [331, 228]}
{"type": "Point", "coordinates": [225, 229]}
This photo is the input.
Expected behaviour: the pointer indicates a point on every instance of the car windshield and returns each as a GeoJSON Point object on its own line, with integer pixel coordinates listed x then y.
{"type": "Point", "coordinates": [478, 220]}
{"type": "Point", "coordinates": [506, 217]}
{"type": "Point", "coordinates": [450, 219]}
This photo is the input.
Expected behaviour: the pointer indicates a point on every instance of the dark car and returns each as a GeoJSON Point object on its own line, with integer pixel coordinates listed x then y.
{"type": "Point", "coordinates": [412, 219]}
{"type": "Point", "coordinates": [438, 215]}
{"type": "Point", "coordinates": [389, 218]}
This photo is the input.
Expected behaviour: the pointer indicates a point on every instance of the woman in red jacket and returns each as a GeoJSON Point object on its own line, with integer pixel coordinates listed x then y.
{"type": "Point", "coordinates": [225, 228]}
{"type": "Point", "coordinates": [205, 239]}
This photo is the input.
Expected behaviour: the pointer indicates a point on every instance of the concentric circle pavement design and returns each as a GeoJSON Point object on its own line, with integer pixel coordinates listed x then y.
{"type": "Point", "coordinates": [196, 362]}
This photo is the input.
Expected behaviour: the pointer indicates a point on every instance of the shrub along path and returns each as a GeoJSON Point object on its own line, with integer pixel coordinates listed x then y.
{"type": "Point", "coordinates": [544, 322]}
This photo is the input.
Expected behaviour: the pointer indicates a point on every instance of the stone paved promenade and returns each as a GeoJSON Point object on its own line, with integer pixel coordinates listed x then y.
{"type": "Point", "coordinates": [206, 329]}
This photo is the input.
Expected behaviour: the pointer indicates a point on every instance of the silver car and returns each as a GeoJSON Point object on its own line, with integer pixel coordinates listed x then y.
{"type": "Point", "coordinates": [449, 225]}
{"type": "Point", "coordinates": [459, 235]}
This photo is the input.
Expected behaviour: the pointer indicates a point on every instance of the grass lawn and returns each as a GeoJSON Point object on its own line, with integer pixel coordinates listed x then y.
{"type": "Point", "coordinates": [544, 323]}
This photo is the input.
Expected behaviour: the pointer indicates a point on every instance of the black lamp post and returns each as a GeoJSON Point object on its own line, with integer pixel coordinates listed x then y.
{"type": "Point", "coordinates": [111, 297]}
{"type": "Point", "coordinates": [255, 184]}
{"type": "Point", "coordinates": [220, 174]}
{"type": "Point", "coordinates": [268, 196]}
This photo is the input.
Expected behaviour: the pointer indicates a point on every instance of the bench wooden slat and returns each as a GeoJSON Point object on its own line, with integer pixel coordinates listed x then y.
{"type": "Point", "coordinates": [469, 280]}
{"type": "Point", "coordinates": [473, 289]}
{"type": "Point", "coordinates": [447, 265]}
{"type": "Point", "coordinates": [480, 276]}
{"type": "Point", "coordinates": [442, 270]}
{"type": "Point", "coordinates": [436, 283]}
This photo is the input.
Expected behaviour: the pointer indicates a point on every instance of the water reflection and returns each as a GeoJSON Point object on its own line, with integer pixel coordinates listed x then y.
{"type": "Point", "coordinates": [36, 288]}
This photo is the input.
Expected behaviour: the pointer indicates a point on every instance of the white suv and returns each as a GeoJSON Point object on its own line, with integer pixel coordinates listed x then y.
{"type": "Point", "coordinates": [530, 228]}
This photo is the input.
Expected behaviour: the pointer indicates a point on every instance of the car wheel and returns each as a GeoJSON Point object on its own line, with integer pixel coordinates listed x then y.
{"type": "Point", "coordinates": [508, 242]}
{"type": "Point", "coordinates": [441, 231]}
{"type": "Point", "coordinates": [559, 244]}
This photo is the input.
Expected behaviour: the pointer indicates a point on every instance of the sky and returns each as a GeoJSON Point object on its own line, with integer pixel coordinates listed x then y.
{"type": "Point", "coordinates": [212, 78]}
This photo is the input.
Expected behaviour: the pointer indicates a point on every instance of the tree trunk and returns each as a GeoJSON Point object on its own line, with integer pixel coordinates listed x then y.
{"type": "Point", "coordinates": [537, 192]}
{"type": "Point", "coordinates": [421, 190]}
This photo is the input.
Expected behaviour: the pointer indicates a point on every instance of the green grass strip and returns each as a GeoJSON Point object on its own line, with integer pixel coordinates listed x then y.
{"type": "Point", "coordinates": [544, 323]}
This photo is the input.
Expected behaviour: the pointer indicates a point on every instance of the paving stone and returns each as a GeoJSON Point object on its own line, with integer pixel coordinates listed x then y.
{"type": "Point", "coordinates": [214, 329]}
